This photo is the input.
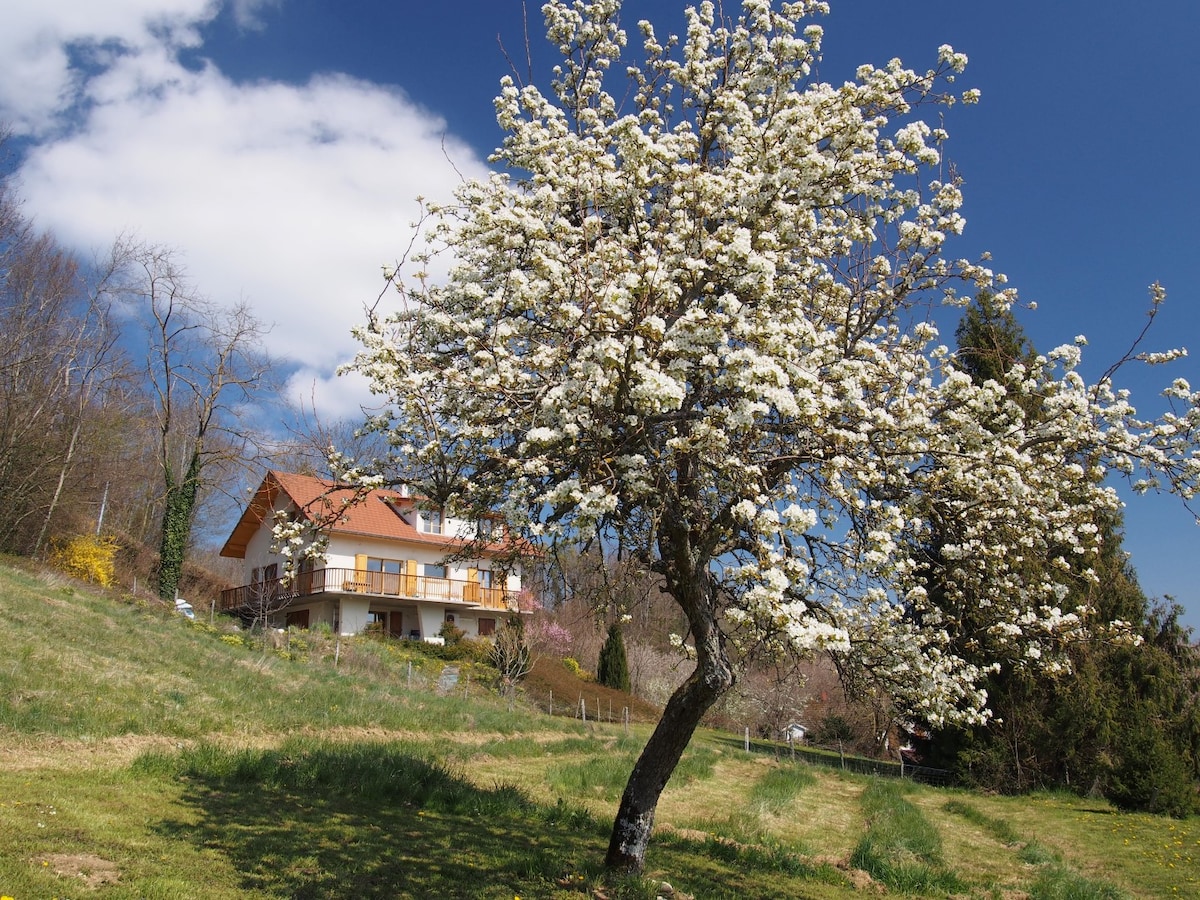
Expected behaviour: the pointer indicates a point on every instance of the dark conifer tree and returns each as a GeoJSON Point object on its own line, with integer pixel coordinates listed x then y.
{"type": "Point", "coordinates": [990, 340]}
{"type": "Point", "coordinates": [613, 667]}
{"type": "Point", "coordinates": [1125, 721]}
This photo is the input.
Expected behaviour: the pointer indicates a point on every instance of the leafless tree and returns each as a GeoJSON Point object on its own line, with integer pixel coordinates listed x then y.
{"type": "Point", "coordinates": [204, 370]}
{"type": "Point", "coordinates": [59, 368]}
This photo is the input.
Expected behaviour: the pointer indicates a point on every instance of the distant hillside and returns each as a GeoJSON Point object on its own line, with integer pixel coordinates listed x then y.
{"type": "Point", "coordinates": [551, 681]}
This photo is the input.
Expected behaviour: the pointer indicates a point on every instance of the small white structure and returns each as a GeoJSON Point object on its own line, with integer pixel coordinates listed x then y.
{"type": "Point", "coordinates": [794, 734]}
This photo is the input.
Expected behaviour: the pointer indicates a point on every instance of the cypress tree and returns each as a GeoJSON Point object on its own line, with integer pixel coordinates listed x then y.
{"type": "Point", "coordinates": [613, 668]}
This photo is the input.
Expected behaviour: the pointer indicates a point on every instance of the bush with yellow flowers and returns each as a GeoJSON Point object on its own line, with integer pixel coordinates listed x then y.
{"type": "Point", "coordinates": [89, 557]}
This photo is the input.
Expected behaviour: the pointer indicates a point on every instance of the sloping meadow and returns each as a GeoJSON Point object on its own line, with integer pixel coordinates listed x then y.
{"type": "Point", "coordinates": [145, 756]}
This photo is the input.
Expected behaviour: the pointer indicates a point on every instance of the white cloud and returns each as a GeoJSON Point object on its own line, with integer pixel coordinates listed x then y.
{"type": "Point", "coordinates": [289, 196]}
{"type": "Point", "coordinates": [331, 397]}
{"type": "Point", "coordinates": [37, 81]}
{"type": "Point", "coordinates": [247, 12]}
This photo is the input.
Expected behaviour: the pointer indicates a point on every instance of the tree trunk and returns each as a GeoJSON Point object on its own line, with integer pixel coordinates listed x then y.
{"type": "Point", "coordinates": [178, 506]}
{"type": "Point", "coordinates": [58, 488]}
{"type": "Point", "coordinates": [712, 677]}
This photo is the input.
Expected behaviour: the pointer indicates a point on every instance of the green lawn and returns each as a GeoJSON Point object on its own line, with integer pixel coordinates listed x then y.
{"type": "Point", "coordinates": [144, 756]}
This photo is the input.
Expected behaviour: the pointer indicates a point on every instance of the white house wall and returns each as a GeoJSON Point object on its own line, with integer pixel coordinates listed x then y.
{"type": "Point", "coordinates": [355, 614]}
{"type": "Point", "coordinates": [258, 549]}
{"type": "Point", "coordinates": [432, 617]}
{"type": "Point", "coordinates": [343, 549]}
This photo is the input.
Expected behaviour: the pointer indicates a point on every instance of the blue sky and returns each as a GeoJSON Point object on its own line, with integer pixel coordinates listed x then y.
{"type": "Point", "coordinates": [280, 144]}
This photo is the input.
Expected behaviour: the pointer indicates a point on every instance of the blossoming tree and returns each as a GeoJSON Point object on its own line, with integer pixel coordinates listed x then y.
{"type": "Point", "coordinates": [694, 317]}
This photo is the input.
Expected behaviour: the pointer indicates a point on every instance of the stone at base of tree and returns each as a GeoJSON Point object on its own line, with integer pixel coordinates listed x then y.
{"type": "Point", "coordinates": [664, 891]}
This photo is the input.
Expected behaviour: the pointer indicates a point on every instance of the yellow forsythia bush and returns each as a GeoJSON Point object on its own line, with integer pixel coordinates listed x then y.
{"type": "Point", "coordinates": [572, 665]}
{"type": "Point", "coordinates": [88, 557]}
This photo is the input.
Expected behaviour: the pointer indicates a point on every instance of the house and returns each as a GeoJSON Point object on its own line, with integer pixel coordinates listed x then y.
{"type": "Point", "coordinates": [390, 563]}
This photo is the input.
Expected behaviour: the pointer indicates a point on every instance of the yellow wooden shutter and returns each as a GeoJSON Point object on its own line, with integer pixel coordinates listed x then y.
{"type": "Point", "coordinates": [359, 581]}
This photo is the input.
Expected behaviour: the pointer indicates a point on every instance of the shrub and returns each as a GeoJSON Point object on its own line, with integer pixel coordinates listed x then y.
{"type": "Point", "coordinates": [467, 649]}
{"type": "Point", "coordinates": [451, 633]}
{"type": "Point", "coordinates": [374, 630]}
{"type": "Point", "coordinates": [572, 665]}
{"type": "Point", "coordinates": [1150, 775]}
{"type": "Point", "coordinates": [510, 651]}
{"type": "Point", "coordinates": [88, 557]}
{"type": "Point", "coordinates": [835, 729]}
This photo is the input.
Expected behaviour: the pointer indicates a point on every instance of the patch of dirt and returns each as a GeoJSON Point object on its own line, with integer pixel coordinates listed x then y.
{"type": "Point", "coordinates": [861, 880]}
{"type": "Point", "coordinates": [94, 871]}
{"type": "Point", "coordinates": [690, 834]}
{"type": "Point", "coordinates": [28, 754]}
{"type": "Point", "coordinates": [57, 753]}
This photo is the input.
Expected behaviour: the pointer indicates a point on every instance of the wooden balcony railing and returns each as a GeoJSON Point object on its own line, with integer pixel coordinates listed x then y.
{"type": "Point", "coordinates": [279, 592]}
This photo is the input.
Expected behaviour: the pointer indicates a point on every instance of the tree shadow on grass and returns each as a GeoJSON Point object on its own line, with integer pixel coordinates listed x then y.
{"type": "Point", "coordinates": [372, 820]}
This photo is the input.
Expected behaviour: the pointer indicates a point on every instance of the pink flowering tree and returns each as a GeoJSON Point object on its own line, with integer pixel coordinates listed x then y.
{"type": "Point", "coordinates": [692, 316]}
{"type": "Point", "coordinates": [549, 637]}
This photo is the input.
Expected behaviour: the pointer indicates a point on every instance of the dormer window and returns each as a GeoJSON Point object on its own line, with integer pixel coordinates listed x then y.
{"type": "Point", "coordinates": [430, 521]}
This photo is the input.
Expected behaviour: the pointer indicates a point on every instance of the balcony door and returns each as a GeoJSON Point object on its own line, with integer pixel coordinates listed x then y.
{"type": "Point", "coordinates": [383, 575]}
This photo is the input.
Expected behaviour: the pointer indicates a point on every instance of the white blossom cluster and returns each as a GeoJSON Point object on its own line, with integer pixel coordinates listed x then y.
{"type": "Point", "coordinates": [297, 540]}
{"type": "Point", "coordinates": [691, 313]}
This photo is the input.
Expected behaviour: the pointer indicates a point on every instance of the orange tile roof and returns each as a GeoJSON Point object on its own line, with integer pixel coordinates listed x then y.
{"type": "Point", "coordinates": [374, 514]}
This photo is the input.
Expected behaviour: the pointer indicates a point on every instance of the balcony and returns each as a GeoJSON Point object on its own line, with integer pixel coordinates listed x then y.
{"type": "Point", "coordinates": [275, 594]}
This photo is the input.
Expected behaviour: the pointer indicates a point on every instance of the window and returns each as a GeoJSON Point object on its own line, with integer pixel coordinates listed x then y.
{"type": "Point", "coordinates": [485, 578]}
{"type": "Point", "coordinates": [435, 571]}
{"type": "Point", "coordinates": [431, 521]}
{"type": "Point", "coordinates": [269, 587]}
{"type": "Point", "coordinates": [387, 566]}
{"type": "Point", "coordinates": [487, 627]}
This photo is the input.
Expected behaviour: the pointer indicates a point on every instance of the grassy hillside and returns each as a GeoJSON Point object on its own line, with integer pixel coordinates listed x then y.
{"type": "Point", "coordinates": [145, 756]}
